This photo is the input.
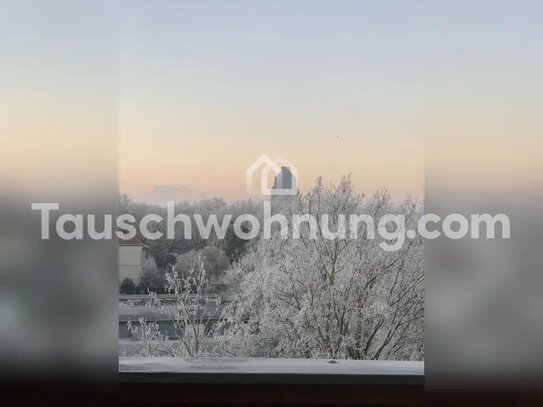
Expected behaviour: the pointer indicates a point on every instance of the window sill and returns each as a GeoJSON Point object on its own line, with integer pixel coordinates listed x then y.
{"type": "Point", "coordinates": [306, 371]}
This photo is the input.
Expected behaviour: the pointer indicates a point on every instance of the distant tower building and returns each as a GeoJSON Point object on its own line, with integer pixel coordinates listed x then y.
{"type": "Point", "coordinates": [285, 186]}
{"type": "Point", "coordinates": [285, 180]}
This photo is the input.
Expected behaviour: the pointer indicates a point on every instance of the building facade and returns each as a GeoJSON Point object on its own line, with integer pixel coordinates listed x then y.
{"type": "Point", "coordinates": [130, 260]}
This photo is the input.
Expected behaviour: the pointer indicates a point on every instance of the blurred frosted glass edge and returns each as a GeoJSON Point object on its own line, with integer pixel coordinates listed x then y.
{"type": "Point", "coordinates": [58, 115]}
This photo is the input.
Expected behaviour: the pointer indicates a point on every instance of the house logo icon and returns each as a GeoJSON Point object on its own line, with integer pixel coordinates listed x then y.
{"type": "Point", "coordinates": [286, 176]}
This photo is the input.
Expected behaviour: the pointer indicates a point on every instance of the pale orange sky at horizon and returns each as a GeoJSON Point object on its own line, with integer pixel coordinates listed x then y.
{"type": "Point", "coordinates": [208, 176]}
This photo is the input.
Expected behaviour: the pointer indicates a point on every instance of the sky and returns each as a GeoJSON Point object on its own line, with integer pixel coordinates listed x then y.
{"type": "Point", "coordinates": [209, 86]}
{"type": "Point", "coordinates": [176, 99]}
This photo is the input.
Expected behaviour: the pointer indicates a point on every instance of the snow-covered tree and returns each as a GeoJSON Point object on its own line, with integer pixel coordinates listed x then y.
{"type": "Point", "coordinates": [191, 314]}
{"type": "Point", "coordinates": [215, 262]}
{"type": "Point", "coordinates": [330, 297]}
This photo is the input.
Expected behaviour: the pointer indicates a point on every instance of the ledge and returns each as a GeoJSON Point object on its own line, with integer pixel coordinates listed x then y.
{"type": "Point", "coordinates": [273, 371]}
